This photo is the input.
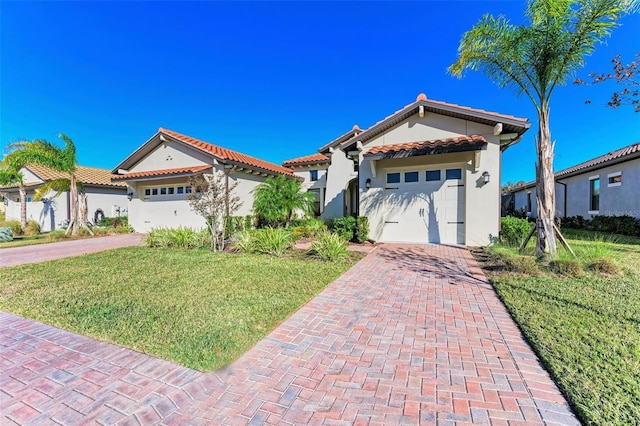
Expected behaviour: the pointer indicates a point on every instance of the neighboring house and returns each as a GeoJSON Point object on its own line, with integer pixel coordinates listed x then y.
{"type": "Point", "coordinates": [104, 197]}
{"type": "Point", "coordinates": [157, 178]}
{"type": "Point", "coordinates": [429, 173]}
{"type": "Point", "coordinates": [606, 185]}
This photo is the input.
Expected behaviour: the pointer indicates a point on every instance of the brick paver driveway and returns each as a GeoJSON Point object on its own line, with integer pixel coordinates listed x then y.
{"type": "Point", "coordinates": [50, 251]}
{"type": "Point", "coordinates": [411, 334]}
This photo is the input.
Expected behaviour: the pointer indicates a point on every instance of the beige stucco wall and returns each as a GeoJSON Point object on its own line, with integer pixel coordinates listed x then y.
{"type": "Point", "coordinates": [170, 155]}
{"type": "Point", "coordinates": [173, 211]}
{"type": "Point", "coordinates": [339, 174]}
{"type": "Point", "coordinates": [482, 201]}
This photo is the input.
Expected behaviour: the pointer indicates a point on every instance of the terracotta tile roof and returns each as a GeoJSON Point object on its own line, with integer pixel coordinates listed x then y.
{"type": "Point", "coordinates": [430, 147]}
{"type": "Point", "coordinates": [309, 159]}
{"type": "Point", "coordinates": [603, 160]}
{"type": "Point", "coordinates": [86, 175]}
{"type": "Point", "coordinates": [227, 154]}
{"type": "Point", "coordinates": [343, 138]}
{"type": "Point", "coordinates": [435, 105]}
{"type": "Point", "coordinates": [163, 172]}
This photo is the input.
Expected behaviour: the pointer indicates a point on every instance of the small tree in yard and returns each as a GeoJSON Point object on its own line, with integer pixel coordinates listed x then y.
{"type": "Point", "coordinates": [211, 198]}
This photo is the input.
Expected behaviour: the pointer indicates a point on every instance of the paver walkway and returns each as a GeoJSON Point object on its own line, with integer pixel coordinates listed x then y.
{"type": "Point", "coordinates": [411, 334]}
{"type": "Point", "coordinates": [42, 252]}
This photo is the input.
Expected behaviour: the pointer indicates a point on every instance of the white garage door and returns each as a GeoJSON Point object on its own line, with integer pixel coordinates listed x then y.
{"type": "Point", "coordinates": [424, 206]}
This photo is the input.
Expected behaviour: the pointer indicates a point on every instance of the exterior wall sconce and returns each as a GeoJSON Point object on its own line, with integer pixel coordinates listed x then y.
{"type": "Point", "coordinates": [367, 184]}
{"type": "Point", "coordinates": [486, 177]}
{"type": "Point", "coordinates": [130, 196]}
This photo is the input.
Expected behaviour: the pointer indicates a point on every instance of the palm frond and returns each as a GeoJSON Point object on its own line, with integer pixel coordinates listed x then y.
{"type": "Point", "coordinates": [56, 185]}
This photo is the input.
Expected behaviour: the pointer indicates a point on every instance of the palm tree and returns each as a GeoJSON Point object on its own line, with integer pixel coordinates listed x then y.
{"type": "Point", "coordinates": [276, 200]}
{"type": "Point", "coordinates": [46, 154]}
{"type": "Point", "coordinates": [533, 60]}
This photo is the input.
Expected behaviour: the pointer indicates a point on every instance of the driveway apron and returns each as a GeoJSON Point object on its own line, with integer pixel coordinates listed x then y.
{"type": "Point", "coordinates": [410, 335]}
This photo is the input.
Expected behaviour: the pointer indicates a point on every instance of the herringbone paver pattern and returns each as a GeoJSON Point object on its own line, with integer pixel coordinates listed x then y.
{"type": "Point", "coordinates": [411, 334]}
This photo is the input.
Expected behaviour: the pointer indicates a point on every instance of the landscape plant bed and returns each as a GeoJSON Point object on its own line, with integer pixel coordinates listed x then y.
{"type": "Point", "coordinates": [195, 307]}
{"type": "Point", "coordinates": [586, 328]}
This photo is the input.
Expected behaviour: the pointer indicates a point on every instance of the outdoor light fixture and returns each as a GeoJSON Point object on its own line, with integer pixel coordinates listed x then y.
{"type": "Point", "coordinates": [486, 177]}
{"type": "Point", "coordinates": [367, 184]}
{"type": "Point", "coordinates": [130, 196]}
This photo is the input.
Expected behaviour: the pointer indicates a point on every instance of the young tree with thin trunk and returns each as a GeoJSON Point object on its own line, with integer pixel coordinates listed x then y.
{"type": "Point", "coordinates": [211, 197]}
{"type": "Point", "coordinates": [532, 60]}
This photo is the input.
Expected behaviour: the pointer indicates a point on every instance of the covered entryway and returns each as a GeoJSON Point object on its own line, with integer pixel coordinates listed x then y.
{"type": "Point", "coordinates": [425, 205]}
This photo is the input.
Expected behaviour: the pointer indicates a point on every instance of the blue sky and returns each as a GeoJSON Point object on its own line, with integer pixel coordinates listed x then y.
{"type": "Point", "coordinates": [273, 80]}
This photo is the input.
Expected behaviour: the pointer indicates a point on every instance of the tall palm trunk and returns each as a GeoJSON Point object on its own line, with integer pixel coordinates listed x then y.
{"type": "Point", "coordinates": [23, 205]}
{"type": "Point", "coordinates": [73, 206]}
{"type": "Point", "coordinates": [545, 188]}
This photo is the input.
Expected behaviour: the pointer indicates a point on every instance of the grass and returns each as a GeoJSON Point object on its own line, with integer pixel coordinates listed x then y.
{"type": "Point", "coordinates": [586, 328]}
{"type": "Point", "coordinates": [20, 241]}
{"type": "Point", "coordinates": [195, 307]}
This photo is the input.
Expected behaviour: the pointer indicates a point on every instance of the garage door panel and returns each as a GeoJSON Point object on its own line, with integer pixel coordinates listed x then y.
{"type": "Point", "coordinates": [426, 212]}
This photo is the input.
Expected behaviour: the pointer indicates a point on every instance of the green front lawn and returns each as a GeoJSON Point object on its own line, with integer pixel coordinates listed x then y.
{"type": "Point", "coordinates": [195, 307]}
{"type": "Point", "coordinates": [587, 329]}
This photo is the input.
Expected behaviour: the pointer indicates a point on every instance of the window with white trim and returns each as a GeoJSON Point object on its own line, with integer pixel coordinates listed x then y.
{"type": "Point", "coordinates": [594, 194]}
{"type": "Point", "coordinates": [453, 174]}
{"type": "Point", "coordinates": [615, 179]}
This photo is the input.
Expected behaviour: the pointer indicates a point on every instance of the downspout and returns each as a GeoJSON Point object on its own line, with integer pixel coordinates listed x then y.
{"type": "Point", "coordinates": [564, 209]}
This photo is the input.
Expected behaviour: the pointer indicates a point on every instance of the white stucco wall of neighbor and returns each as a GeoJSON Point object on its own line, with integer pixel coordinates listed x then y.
{"type": "Point", "coordinates": [55, 210]}
{"type": "Point", "coordinates": [480, 203]}
{"type": "Point", "coordinates": [616, 199]}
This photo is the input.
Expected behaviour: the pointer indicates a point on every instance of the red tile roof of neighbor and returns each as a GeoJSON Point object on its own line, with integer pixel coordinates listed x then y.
{"type": "Point", "coordinates": [163, 172]}
{"type": "Point", "coordinates": [227, 154]}
{"type": "Point", "coordinates": [86, 175]}
{"type": "Point", "coordinates": [613, 156]}
{"type": "Point", "coordinates": [309, 159]}
{"type": "Point", "coordinates": [430, 147]}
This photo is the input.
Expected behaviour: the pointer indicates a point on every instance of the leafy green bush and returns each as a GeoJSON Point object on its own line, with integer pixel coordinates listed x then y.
{"type": "Point", "coordinates": [625, 225]}
{"type": "Point", "coordinates": [574, 222]}
{"type": "Point", "coordinates": [362, 229]}
{"type": "Point", "coordinates": [273, 241]}
{"type": "Point", "coordinates": [300, 232]}
{"type": "Point", "coordinates": [243, 241]}
{"type": "Point", "coordinates": [15, 225]}
{"type": "Point", "coordinates": [513, 231]}
{"type": "Point", "coordinates": [329, 247]}
{"type": "Point", "coordinates": [114, 222]}
{"type": "Point", "coordinates": [32, 228]}
{"type": "Point", "coordinates": [100, 231]}
{"type": "Point", "coordinates": [233, 224]}
{"type": "Point", "coordinates": [343, 226]}
{"type": "Point", "coordinates": [124, 229]}
{"type": "Point", "coordinates": [185, 238]}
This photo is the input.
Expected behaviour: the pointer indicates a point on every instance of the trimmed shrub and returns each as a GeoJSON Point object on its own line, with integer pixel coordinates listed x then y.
{"type": "Point", "coordinates": [513, 231]}
{"type": "Point", "coordinates": [574, 222]}
{"type": "Point", "coordinates": [273, 241]}
{"type": "Point", "coordinates": [343, 226]}
{"type": "Point", "coordinates": [625, 225]}
{"type": "Point", "coordinates": [124, 229]}
{"type": "Point", "coordinates": [32, 228]}
{"type": "Point", "coordinates": [566, 267]}
{"type": "Point", "coordinates": [57, 235]}
{"type": "Point", "coordinates": [523, 264]}
{"type": "Point", "coordinates": [603, 265]}
{"type": "Point", "coordinates": [300, 232]}
{"type": "Point", "coordinates": [329, 247]}
{"type": "Point", "coordinates": [362, 229]}
{"type": "Point", "coordinates": [15, 225]}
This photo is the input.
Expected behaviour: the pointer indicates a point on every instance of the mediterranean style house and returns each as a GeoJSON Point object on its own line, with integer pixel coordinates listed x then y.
{"type": "Point", "coordinates": [104, 197]}
{"type": "Point", "coordinates": [156, 175]}
{"type": "Point", "coordinates": [606, 185]}
{"type": "Point", "coordinates": [428, 173]}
